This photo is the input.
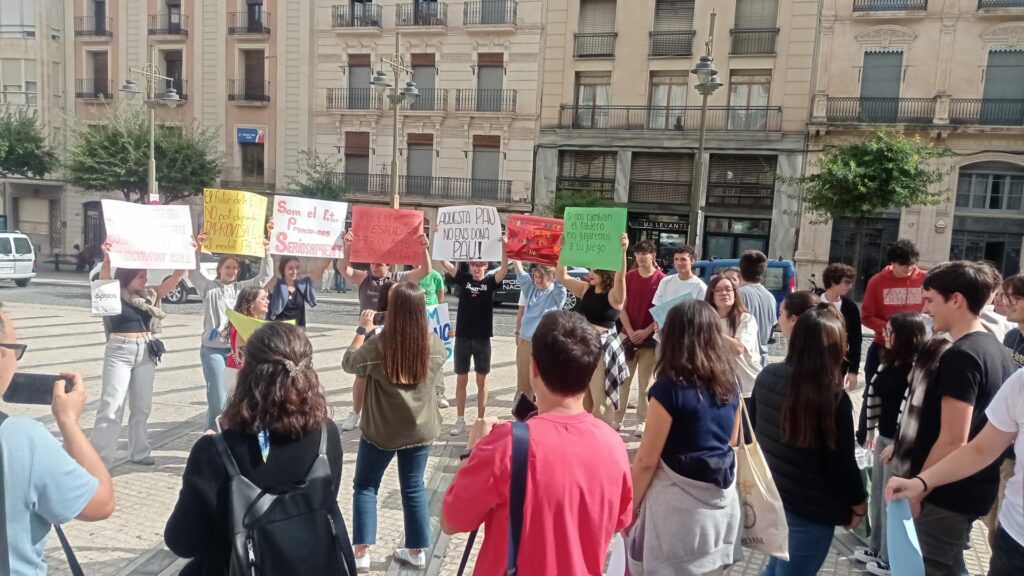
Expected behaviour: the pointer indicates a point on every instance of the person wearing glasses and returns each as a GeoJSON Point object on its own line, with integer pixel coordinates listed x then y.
{"type": "Point", "coordinates": [739, 330]}
{"type": "Point", "coordinates": [542, 294]}
{"type": "Point", "coordinates": [43, 483]}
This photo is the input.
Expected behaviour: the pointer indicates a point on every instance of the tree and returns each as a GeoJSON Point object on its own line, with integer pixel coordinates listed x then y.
{"type": "Point", "coordinates": [23, 148]}
{"type": "Point", "coordinates": [575, 197]}
{"type": "Point", "coordinates": [860, 180]}
{"type": "Point", "coordinates": [114, 155]}
{"type": "Point", "coordinates": [318, 177]}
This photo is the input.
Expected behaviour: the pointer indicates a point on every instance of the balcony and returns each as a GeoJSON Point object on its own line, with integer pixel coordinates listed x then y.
{"type": "Point", "coordinates": [671, 43]}
{"type": "Point", "coordinates": [248, 178]}
{"type": "Point", "coordinates": [92, 89]}
{"type": "Point", "coordinates": [996, 4]}
{"type": "Point", "coordinates": [365, 16]}
{"type": "Point", "coordinates": [252, 92]}
{"type": "Point", "coordinates": [249, 23]}
{"type": "Point", "coordinates": [595, 45]}
{"type": "Point", "coordinates": [429, 100]}
{"type": "Point", "coordinates": [676, 118]}
{"type": "Point", "coordinates": [92, 27]}
{"type": "Point", "coordinates": [440, 188]}
{"type": "Point", "coordinates": [753, 41]}
{"type": "Point", "coordinates": [730, 196]}
{"type": "Point", "coordinates": [486, 100]}
{"type": "Point", "coordinates": [422, 14]}
{"type": "Point", "coordinates": [880, 110]}
{"type": "Point", "coordinates": [889, 5]}
{"type": "Point", "coordinates": [352, 99]}
{"type": "Point", "coordinates": [986, 112]}
{"type": "Point", "coordinates": [659, 192]}
{"type": "Point", "coordinates": [168, 25]}
{"type": "Point", "coordinates": [490, 13]}
{"type": "Point", "coordinates": [602, 186]}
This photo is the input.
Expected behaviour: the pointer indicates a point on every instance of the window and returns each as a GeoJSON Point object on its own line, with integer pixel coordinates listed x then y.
{"type": "Point", "coordinates": [668, 97]}
{"type": "Point", "coordinates": [173, 16]}
{"type": "Point", "coordinates": [419, 167]}
{"type": "Point", "coordinates": [748, 99]}
{"type": "Point", "coordinates": [174, 68]}
{"type": "Point", "coordinates": [991, 186]}
{"type": "Point", "coordinates": [486, 166]}
{"type": "Point", "coordinates": [880, 86]}
{"type": "Point", "coordinates": [253, 74]}
{"type": "Point", "coordinates": [1003, 100]}
{"type": "Point", "coordinates": [672, 33]}
{"type": "Point", "coordinates": [5, 247]}
{"type": "Point", "coordinates": [97, 79]}
{"type": "Point", "coordinates": [360, 92]}
{"type": "Point", "coordinates": [252, 162]}
{"type": "Point", "coordinates": [55, 17]}
{"type": "Point", "coordinates": [56, 79]}
{"type": "Point", "coordinates": [19, 84]}
{"type": "Point", "coordinates": [756, 14]}
{"type": "Point", "coordinates": [490, 78]}
{"type": "Point", "coordinates": [596, 36]}
{"type": "Point", "coordinates": [22, 246]}
{"type": "Point", "coordinates": [424, 74]}
{"type": "Point", "coordinates": [18, 18]}
{"type": "Point", "coordinates": [593, 93]}
{"type": "Point", "coordinates": [584, 170]}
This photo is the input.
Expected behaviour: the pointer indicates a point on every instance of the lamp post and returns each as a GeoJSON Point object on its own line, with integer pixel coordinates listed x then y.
{"type": "Point", "coordinates": [150, 74]}
{"type": "Point", "coordinates": [396, 97]}
{"type": "Point", "coordinates": [707, 83]}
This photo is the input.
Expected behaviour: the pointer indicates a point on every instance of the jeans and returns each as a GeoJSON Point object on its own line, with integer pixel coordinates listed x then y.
{"type": "Point", "coordinates": [880, 474]}
{"type": "Point", "coordinates": [942, 534]}
{"type": "Point", "coordinates": [1007, 556]}
{"type": "Point", "coordinates": [371, 463]}
{"type": "Point", "coordinates": [809, 543]}
{"type": "Point", "coordinates": [214, 360]}
{"type": "Point", "coordinates": [128, 374]}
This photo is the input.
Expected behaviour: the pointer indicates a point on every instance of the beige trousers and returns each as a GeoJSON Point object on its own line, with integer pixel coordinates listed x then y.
{"type": "Point", "coordinates": [524, 355]}
{"type": "Point", "coordinates": [641, 369]}
{"type": "Point", "coordinates": [600, 404]}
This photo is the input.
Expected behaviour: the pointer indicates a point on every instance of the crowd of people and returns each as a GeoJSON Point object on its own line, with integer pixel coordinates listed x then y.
{"type": "Point", "coordinates": [942, 411]}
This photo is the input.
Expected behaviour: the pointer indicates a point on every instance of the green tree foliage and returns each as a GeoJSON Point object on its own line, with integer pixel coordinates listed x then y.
{"type": "Point", "coordinates": [114, 155]}
{"type": "Point", "coordinates": [860, 180]}
{"type": "Point", "coordinates": [317, 177]}
{"type": "Point", "coordinates": [23, 148]}
{"type": "Point", "coordinates": [575, 197]}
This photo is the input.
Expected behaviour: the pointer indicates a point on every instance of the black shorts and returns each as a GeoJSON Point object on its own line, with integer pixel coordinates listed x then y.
{"type": "Point", "coordinates": [479, 349]}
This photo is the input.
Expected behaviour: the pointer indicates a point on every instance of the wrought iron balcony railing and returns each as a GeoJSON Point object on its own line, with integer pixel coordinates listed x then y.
{"type": "Point", "coordinates": [429, 100]}
{"type": "Point", "coordinates": [889, 5]}
{"type": "Point", "coordinates": [248, 91]}
{"type": "Point", "coordinates": [671, 43]}
{"type": "Point", "coordinates": [486, 100]}
{"type": "Point", "coordinates": [357, 16]}
{"type": "Point", "coordinates": [90, 26]}
{"type": "Point", "coordinates": [982, 4]}
{"type": "Point", "coordinates": [986, 112]}
{"type": "Point", "coordinates": [93, 89]}
{"type": "Point", "coordinates": [595, 45]}
{"type": "Point", "coordinates": [645, 118]}
{"type": "Point", "coordinates": [490, 13]}
{"type": "Point", "coordinates": [167, 24]}
{"type": "Point", "coordinates": [254, 22]}
{"type": "Point", "coordinates": [421, 14]}
{"type": "Point", "coordinates": [352, 99]}
{"type": "Point", "coordinates": [751, 41]}
{"type": "Point", "coordinates": [427, 187]}
{"type": "Point", "coordinates": [880, 110]}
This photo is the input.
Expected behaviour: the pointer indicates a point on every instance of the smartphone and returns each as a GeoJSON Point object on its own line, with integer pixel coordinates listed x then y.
{"type": "Point", "coordinates": [524, 408]}
{"type": "Point", "coordinates": [34, 388]}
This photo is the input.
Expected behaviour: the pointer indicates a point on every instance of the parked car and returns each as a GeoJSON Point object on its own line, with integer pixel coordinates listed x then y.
{"type": "Point", "coordinates": [508, 293]}
{"type": "Point", "coordinates": [180, 294]}
{"type": "Point", "coordinates": [779, 279]}
{"type": "Point", "coordinates": [17, 258]}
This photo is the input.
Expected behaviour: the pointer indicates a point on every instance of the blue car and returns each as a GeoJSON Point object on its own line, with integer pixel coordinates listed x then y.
{"type": "Point", "coordinates": [779, 279]}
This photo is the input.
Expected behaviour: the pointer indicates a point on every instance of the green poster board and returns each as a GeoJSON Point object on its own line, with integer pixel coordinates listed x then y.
{"type": "Point", "coordinates": [593, 238]}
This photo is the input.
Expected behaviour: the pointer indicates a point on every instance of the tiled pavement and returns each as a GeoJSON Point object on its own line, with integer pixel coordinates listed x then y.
{"type": "Point", "coordinates": [130, 542]}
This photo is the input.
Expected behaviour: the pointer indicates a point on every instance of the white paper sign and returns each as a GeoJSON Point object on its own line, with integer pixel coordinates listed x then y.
{"type": "Point", "coordinates": [149, 236]}
{"type": "Point", "coordinates": [440, 323]}
{"type": "Point", "coordinates": [467, 233]}
{"type": "Point", "coordinates": [106, 297]}
{"type": "Point", "coordinates": [308, 227]}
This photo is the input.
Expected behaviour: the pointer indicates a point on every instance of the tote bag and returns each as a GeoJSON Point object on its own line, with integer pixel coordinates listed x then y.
{"type": "Point", "coordinates": [764, 520]}
{"type": "Point", "coordinates": [106, 297]}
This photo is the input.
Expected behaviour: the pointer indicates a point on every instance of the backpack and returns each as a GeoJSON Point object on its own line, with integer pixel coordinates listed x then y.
{"type": "Point", "coordinates": [290, 533]}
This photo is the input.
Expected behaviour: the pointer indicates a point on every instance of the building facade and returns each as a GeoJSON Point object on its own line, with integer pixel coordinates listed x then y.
{"type": "Point", "coordinates": [950, 72]}
{"type": "Point", "coordinates": [621, 117]}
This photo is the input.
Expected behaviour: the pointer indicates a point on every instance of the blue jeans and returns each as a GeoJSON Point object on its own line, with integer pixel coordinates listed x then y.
{"type": "Point", "coordinates": [214, 360]}
{"type": "Point", "coordinates": [809, 543]}
{"type": "Point", "coordinates": [371, 463]}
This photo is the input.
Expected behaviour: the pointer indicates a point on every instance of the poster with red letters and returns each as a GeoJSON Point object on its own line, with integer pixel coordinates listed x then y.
{"type": "Point", "coordinates": [386, 235]}
{"type": "Point", "coordinates": [534, 239]}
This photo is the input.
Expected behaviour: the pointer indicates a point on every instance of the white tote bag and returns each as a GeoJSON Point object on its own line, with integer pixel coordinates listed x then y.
{"type": "Point", "coordinates": [764, 520]}
{"type": "Point", "coordinates": [106, 297]}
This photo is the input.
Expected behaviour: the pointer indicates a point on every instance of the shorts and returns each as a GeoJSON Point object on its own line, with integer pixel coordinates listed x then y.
{"type": "Point", "coordinates": [479, 349]}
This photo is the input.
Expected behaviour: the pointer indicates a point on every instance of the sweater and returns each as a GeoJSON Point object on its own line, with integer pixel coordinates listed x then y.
{"type": "Point", "coordinates": [888, 295]}
{"type": "Point", "coordinates": [279, 297]}
{"type": "Point", "coordinates": [854, 333]}
{"type": "Point", "coordinates": [817, 484]}
{"type": "Point", "coordinates": [219, 297]}
{"type": "Point", "coordinates": [884, 398]}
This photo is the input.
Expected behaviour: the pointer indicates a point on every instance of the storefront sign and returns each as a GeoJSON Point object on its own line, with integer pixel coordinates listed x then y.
{"type": "Point", "coordinates": [645, 224]}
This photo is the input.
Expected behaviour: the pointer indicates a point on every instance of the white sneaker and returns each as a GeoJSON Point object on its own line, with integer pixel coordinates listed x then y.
{"type": "Point", "coordinates": [442, 402]}
{"type": "Point", "coordinates": [639, 431]}
{"type": "Point", "coordinates": [879, 568]}
{"type": "Point", "coordinates": [866, 554]}
{"type": "Point", "coordinates": [459, 428]}
{"type": "Point", "coordinates": [363, 563]}
{"type": "Point", "coordinates": [351, 422]}
{"type": "Point", "coordinates": [406, 556]}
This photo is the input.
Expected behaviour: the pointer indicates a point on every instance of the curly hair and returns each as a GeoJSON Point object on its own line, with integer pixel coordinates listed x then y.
{"type": "Point", "coordinates": [243, 305]}
{"type": "Point", "coordinates": [287, 401]}
{"type": "Point", "coordinates": [607, 279]}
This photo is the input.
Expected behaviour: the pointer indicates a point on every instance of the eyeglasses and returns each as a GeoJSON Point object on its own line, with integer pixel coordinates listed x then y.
{"type": "Point", "coordinates": [724, 291]}
{"type": "Point", "coordinates": [1009, 299]}
{"type": "Point", "coordinates": [19, 349]}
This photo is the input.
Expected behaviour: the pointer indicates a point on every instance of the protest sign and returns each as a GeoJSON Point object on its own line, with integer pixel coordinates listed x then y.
{"type": "Point", "coordinates": [467, 233]}
{"type": "Point", "coordinates": [440, 323]}
{"type": "Point", "coordinates": [660, 312]}
{"type": "Point", "coordinates": [308, 227]}
{"type": "Point", "coordinates": [246, 325]}
{"type": "Point", "coordinates": [149, 236]}
{"type": "Point", "coordinates": [106, 297]}
{"type": "Point", "coordinates": [905, 556]}
{"type": "Point", "coordinates": [534, 239]}
{"type": "Point", "coordinates": [593, 238]}
{"type": "Point", "coordinates": [386, 235]}
{"type": "Point", "coordinates": [234, 221]}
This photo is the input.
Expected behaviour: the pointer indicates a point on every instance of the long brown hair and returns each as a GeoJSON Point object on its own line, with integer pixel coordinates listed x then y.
{"type": "Point", "coordinates": [405, 341]}
{"type": "Point", "coordinates": [693, 352]}
{"type": "Point", "coordinates": [737, 310]}
{"type": "Point", "coordinates": [125, 276]}
{"type": "Point", "coordinates": [816, 352]}
{"type": "Point", "coordinates": [277, 387]}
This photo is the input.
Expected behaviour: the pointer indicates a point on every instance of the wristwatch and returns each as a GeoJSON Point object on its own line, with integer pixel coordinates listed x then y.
{"type": "Point", "coordinates": [360, 331]}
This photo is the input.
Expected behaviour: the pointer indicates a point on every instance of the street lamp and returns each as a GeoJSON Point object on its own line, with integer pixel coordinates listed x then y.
{"type": "Point", "coordinates": [150, 74]}
{"type": "Point", "coordinates": [707, 83]}
{"type": "Point", "coordinates": [382, 83]}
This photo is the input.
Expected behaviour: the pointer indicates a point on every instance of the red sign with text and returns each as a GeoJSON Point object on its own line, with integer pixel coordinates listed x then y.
{"type": "Point", "coordinates": [386, 235]}
{"type": "Point", "coordinates": [534, 239]}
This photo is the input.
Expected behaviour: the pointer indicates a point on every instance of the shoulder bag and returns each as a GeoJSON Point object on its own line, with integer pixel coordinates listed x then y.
{"type": "Point", "coordinates": [764, 520]}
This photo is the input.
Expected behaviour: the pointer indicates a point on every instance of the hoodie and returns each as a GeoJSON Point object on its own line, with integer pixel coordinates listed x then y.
{"type": "Point", "coordinates": [888, 295]}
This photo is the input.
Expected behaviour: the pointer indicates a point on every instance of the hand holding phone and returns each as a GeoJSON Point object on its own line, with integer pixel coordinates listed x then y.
{"type": "Point", "coordinates": [34, 388]}
{"type": "Point", "coordinates": [68, 398]}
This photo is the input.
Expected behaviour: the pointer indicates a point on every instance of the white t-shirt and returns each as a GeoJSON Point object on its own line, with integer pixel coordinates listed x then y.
{"type": "Point", "coordinates": [673, 287]}
{"type": "Point", "coordinates": [1006, 412]}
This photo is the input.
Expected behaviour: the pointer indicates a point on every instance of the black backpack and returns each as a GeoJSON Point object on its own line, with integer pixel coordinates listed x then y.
{"type": "Point", "coordinates": [290, 533]}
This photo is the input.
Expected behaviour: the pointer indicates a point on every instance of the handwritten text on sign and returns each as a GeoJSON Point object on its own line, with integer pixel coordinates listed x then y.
{"type": "Point", "coordinates": [234, 221]}
{"type": "Point", "coordinates": [534, 239]}
{"type": "Point", "coordinates": [440, 323]}
{"type": "Point", "coordinates": [593, 238]}
{"type": "Point", "coordinates": [149, 236]}
{"type": "Point", "coordinates": [467, 233]}
{"type": "Point", "coordinates": [386, 235]}
{"type": "Point", "coordinates": [307, 227]}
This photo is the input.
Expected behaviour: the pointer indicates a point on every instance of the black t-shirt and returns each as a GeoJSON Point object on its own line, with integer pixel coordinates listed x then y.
{"type": "Point", "coordinates": [971, 370]}
{"type": "Point", "coordinates": [476, 306]}
{"type": "Point", "coordinates": [1014, 341]}
{"type": "Point", "coordinates": [294, 309]}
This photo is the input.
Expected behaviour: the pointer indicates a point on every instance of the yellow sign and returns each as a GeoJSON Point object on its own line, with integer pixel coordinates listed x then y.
{"type": "Point", "coordinates": [246, 325]}
{"type": "Point", "coordinates": [235, 222]}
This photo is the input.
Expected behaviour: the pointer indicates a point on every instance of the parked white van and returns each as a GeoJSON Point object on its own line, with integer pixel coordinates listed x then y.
{"type": "Point", "coordinates": [17, 258]}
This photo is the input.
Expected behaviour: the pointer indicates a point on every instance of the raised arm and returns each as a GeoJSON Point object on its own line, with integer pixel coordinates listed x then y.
{"type": "Point", "coordinates": [421, 271]}
{"type": "Point", "coordinates": [449, 268]}
{"type": "Point", "coordinates": [617, 296]}
{"type": "Point", "coordinates": [202, 283]}
{"type": "Point", "coordinates": [169, 283]}
{"type": "Point", "coordinates": [577, 287]}
{"type": "Point", "coordinates": [342, 266]}
{"type": "Point", "coordinates": [105, 267]}
{"type": "Point", "coordinates": [503, 269]}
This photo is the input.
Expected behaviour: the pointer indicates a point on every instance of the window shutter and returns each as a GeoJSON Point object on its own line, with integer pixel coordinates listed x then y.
{"type": "Point", "coordinates": [426, 59]}
{"type": "Point", "coordinates": [759, 170]}
{"type": "Point", "coordinates": [480, 140]}
{"type": "Point", "coordinates": [881, 75]}
{"type": "Point", "coordinates": [357, 143]}
{"type": "Point", "coordinates": [594, 165]}
{"type": "Point", "coordinates": [358, 59]}
{"type": "Point", "coordinates": [490, 59]}
{"type": "Point", "coordinates": [414, 139]}
{"type": "Point", "coordinates": [673, 15]}
{"type": "Point", "coordinates": [654, 167]}
{"type": "Point", "coordinates": [1004, 75]}
{"type": "Point", "coordinates": [597, 16]}
{"type": "Point", "coordinates": [757, 14]}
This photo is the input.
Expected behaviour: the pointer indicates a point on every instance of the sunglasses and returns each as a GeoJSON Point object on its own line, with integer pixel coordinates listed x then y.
{"type": "Point", "coordinates": [19, 349]}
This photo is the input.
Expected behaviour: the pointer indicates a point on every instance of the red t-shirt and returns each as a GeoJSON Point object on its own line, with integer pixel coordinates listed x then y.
{"type": "Point", "coordinates": [578, 493]}
{"type": "Point", "coordinates": [639, 294]}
